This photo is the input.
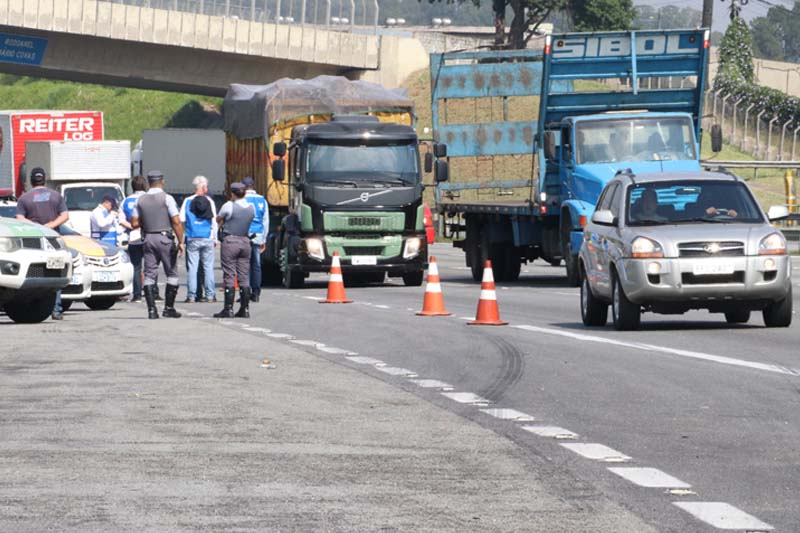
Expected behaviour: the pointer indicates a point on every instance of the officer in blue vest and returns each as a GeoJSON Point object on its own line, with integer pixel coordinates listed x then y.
{"type": "Point", "coordinates": [135, 242]}
{"type": "Point", "coordinates": [198, 215]}
{"type": "Point", "coordinates": [258, 235]}
{"type": "Point", "coordinates": [104, 221]}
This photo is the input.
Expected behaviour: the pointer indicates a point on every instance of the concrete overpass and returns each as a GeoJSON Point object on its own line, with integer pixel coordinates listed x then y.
{"type": "Point", "coordinates": [113, 43]}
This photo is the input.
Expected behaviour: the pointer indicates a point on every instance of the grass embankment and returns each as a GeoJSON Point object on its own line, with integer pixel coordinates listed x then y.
{"type": "Point", "coordinates": [126, 112]}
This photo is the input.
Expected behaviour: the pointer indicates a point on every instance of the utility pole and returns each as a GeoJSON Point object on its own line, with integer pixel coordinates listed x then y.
{"type": "Point", "coordinates": [708, 10]}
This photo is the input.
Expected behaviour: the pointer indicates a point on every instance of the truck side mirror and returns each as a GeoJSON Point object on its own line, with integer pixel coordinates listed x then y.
{"type": "Point", "coordinates": [428, 163]}
{"type": "Point", "coordinates": [716, 138]}
{"type": "Point", "coordinates": [440, 150]}
{"type": "Point", "coordinates": [278, 169]}
{"type": "Point", "coordinates": [441, 171]}
{"type": "Point", "coordinates": [549, 145]}
{"type": "Point", "coordinates": [279, 149]}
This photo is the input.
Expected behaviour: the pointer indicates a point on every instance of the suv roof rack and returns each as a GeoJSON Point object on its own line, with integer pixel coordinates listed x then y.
{"type": "Point", "coordinates": [627, 172]}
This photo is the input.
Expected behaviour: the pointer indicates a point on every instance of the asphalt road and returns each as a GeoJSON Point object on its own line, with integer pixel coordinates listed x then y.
{"type": "Point", "coordinates": [704, 412]}
{"type": "Point", "coordinates": [712, 405]}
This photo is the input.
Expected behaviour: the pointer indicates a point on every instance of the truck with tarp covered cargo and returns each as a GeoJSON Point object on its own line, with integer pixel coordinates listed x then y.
{"type": "Point", "coordinates": [607, 102]}
{"type": "Point", "coordinates": [338, 162]}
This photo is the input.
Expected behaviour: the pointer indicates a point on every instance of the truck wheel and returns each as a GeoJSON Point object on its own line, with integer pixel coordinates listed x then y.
{"type": "Point", "coordinates": [737, 317]}
{"type": "Point", "coordinates": [477, 270]}
{"type": "Point", "coordinates": [413, 279]}
{"type": "Point", "coordinates": [570, 260]}
{"type": "Point", "coordinates": [625, 314]}
{"type": "Point", "coordinates": [779, 314]}
{"type": "Point", "coordinates": [293, 280]}
{"type": "Point", "coordinates": [100, 304]}
{"type": "Point", "coordinates": [594, 312]}
{"type": "Point", "coordinates": [512, 265]}
{"type": "Point", "coordinates": [31, 311]}
{"type": "Point", "coordinates": [271, 275]}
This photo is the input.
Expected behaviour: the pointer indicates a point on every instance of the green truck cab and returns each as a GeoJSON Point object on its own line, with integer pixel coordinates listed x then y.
{"type": "Point", "coordinates": [355, 189]}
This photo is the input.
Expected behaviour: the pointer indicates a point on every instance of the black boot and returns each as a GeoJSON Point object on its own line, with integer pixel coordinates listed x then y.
{"type": "Point", "coordinates": [170, 294]}
{"type": "Point", "coordinates": [227, 311]}
{"type": "Point", "coordinates": [244, 308]}
{"type": "Point", "coordinates": [150, 297]}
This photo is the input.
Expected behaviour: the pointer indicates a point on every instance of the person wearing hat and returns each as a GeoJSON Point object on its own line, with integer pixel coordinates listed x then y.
{"type": "Point", "coordinates": [46, 207]}
{"type": "Point", "coordinates": [156, 213]}
{"type": "Point", "coordinates": [258, 235]}
{"type": "Point", "coordinates": [104, 221]}
{"type": "Point", "coordinates": [235, 217]}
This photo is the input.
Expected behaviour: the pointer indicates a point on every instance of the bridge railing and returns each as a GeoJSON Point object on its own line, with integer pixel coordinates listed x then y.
{"type": "Point", "coordinates": [341, 15]}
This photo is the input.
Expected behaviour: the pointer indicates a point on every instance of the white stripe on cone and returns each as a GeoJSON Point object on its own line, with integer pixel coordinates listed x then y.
{"type": "Point", "coordinates": [488, 295]}
{"type": "Point", "coordinates": [488, 276]}
{"type": "Point", "coordinates": [337, 278]}
{"type": "Point", "coordinates": [433, 287]}
{"type": "Point", "coordinates": [433, 269]}
{"type": "Point", "coordinates": [336, 262]}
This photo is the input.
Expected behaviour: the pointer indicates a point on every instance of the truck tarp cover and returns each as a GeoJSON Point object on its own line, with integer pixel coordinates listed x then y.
{"type": "Point", "coordinates": [250, 110]}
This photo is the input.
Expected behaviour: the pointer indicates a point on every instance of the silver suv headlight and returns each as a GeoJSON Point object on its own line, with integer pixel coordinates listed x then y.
{"type": "Point", "coordinates": [772, 244]}
{"type": "Point", "coordinates": [644, 248]}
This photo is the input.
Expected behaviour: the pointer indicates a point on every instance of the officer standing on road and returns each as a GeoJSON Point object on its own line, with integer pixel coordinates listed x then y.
{"type": "Point", "coordinates": [235, 218]}
{"type": "Point", "coordinates": [135, 243]}
{"type": "Point", "coordinates": [258, 231]}
{"type": "Point", "coordinates": [156, 213]}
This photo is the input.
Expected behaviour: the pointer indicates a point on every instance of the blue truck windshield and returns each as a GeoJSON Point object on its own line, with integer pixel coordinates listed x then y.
{"type": "Point", "coordinates": [690, 201]}
{"type": "Point", "coordinates": [358, 161]}
{"type": "Point", "coordinates": [635, 139]}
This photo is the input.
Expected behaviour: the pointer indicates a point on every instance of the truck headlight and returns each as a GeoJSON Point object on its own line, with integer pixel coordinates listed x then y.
{"type": "Point", "coordinates": [315, 248]}
{"type": "Point", "coordinates": [642, 247]}
{"type": "Point", "coordinates": [10, 244]}
{"type": "Point", "coordinates": [412, 247]}
{"type": "Point", "coordinates": [772, 244]}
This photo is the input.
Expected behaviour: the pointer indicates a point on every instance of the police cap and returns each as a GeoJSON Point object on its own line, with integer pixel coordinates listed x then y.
{"type": "Point", "coordinates": [155, 175]}
{"type": "Point", "coordinates": [237, 187]}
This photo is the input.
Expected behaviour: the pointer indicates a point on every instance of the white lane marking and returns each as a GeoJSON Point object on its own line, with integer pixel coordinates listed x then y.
{"type": "Point", "coordinates": [396, 371]}
{"type": "Point", "coordinates": [334, 350]}
{"type": "Point", "coordinates": [206, 318]}
{"type": "Point", "coordinates": [316, 298]}
{"type": "Point", "coordinates": [597, 452]}
{"type": "Point", "coordinates": [553, 432]}
{"type": "Point", "coordinates": [192, 313]}
{"type": "Point", "coordinates": [663, 349]}
{"type": "Point", "coordinates": [509, 414]}
{"type": "Point", "coordinates": [381, 306]}
{"type": "Point", "coordinates": [258, 330]}
{"type": "Point", "coordinates": [366, 361]}
{"type": "Point", "coordinates": [227, 322]}
{"type": "Point", "coordinates": [466, 397]}
{"type": "Point", "coordinates": [466, 318]}
{"type": "Point", "coordinates": [649, 477]}
{"type": "Point", "coordinates": [409, 309]}
{"type": "Point", "coordinates": [723, 515]}
{"type": "Point", "coordinates": [567, 293]}
{"type": "Point", "coordinates": [432, 384]}
{"type": "Point", "coordinates": [303, 342]}
{"type": "Point", "coordinates": [242, 325]}
{"type": "Point", "coordinates": [280, 335]}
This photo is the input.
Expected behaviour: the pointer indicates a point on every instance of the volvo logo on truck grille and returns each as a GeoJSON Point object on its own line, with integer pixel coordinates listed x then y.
{"type": "Point", "coordinates": [364, 221]}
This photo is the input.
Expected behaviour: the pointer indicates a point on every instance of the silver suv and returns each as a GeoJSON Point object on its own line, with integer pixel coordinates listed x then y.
{"type": "Point", "coordinates": [671, 242]}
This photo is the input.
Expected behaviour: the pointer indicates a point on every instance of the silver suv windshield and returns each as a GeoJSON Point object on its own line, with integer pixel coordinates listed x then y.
{"type": "Point", "coordinates": [634, 139]}
{"type": "Point", "coordinates": [690, 201]}
{"type": "Point", "coordinates": [390, 163]}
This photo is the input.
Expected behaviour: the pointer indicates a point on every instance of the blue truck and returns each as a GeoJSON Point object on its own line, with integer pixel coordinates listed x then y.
{"type": "Point", "coordinates": [608, 102]}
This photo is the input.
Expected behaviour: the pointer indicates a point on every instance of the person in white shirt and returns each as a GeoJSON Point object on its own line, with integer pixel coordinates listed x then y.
{"type": "Point", "coordinates": [198, 215]}
{"type": "Point", "coordinates": [104, 221]}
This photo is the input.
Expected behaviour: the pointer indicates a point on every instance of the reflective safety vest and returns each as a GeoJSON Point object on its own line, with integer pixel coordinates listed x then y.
{"type": "Point", "coordinates": [196, 228]}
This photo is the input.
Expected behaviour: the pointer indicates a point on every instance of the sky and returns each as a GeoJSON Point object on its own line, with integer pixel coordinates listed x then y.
{"type": "Point", "coordinates": [753, 9]}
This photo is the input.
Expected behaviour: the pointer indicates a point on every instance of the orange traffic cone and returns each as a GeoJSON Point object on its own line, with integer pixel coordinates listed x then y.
{"type": "Point", "coordinates": [433, 304]}
{"type": "Point", "coordinates": [488, 313]}
{"type": "Point", "coordinates": [336, 284]}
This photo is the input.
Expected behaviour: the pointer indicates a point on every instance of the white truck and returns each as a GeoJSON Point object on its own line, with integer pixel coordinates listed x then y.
{"type": "Point", "coordinates": [83, 172]}
{"type": "Point", "coordinates": [181, 154]}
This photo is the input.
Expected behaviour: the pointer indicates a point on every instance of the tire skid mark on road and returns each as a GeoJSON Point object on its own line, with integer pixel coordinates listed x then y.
{"type": "Point", "coordinates": [511, 369]}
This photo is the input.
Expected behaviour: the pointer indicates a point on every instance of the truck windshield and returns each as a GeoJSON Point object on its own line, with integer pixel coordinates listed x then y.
{"type": "Point", "coordinates": [634, 139]}
{"type": "Point", "coordinates": [357, 161]}
{"type": "Point", "coordinates": [690, 201]}
{"type": "Point", "coordinates": [87, 198]}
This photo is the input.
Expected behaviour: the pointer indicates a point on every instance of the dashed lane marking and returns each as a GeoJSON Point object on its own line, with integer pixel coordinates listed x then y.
{"type": "Point", "coordinates": [466, 397]}
{"type": "Point", "coordinates": [334, 350]}
{"type": "Point", "coordinates": [192, 313]}
{"type": "Point", "coordinates": [396, 371]}
{"type": "Point", "coordinates": [315, 298]}
{"type": "Point", "coordinates": [597, 452]}
{"type": "Point", "coordinates": [258, 330]}
{"type": "Point", "coordinates": [432, 384]}
{"type": "Point", "coordinates": [361, 360]}
{"type": "Point", "coordinates": [649, 477]}
{"type": "Point", "coordinates": [509, 414]}
{"type": "Point", "coordinates": [303, 342]}
{"type": "Point", "coordinates": [552, 432]}
{"type": "Point", "coordinates": [723, 516]}
{"type": "Point", "coordinates": [280, 335]}
{"type": "Point", "coordinates": [663, 349]}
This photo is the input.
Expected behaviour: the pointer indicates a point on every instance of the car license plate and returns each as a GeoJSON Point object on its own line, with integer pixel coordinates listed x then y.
{"type": "Point", "coordinates": [104, 276]}
{"type": "Point", "coordinates": [364, 260]}
{"type": "Point", "coordinates": [55, 263]}
{"type": "Point", "coordinates": [712, 267]}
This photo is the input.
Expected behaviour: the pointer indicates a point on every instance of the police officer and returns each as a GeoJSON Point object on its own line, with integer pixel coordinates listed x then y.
{"type": "Point", "coordinates": [156, 213]}
{"type": "Point", "coordinates": [258, 231]}
{"type": "Point", "coordinates": [235, 218]}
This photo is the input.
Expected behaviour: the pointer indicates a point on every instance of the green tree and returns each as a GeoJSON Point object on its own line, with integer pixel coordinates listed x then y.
{"type": "Point", "coordinates": [602, 14]}
{"type": "Point", "coordinates": [767, 42]}
{"type": "Point", "coordinates": [736, 53]}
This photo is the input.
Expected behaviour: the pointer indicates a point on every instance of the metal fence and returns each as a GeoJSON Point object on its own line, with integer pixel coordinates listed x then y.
{"type": "Point", "coordinates": [343, 15]}
{"type": "Point", "coordinates": [758, 133]}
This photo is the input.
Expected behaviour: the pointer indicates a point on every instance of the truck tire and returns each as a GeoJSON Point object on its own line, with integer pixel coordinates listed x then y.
{"type": "Point", "coordinates": [779, 314]}
{"type": "Point", "coordinates": [626, 315]}
{"type": "Point", "coordinates": [513, 265]}
{"type": "Point", "coordinates": [271, 275]}
{"type": "Point", "coordinates": [293, 279]}
{"type": "Point", "coordinates": [100, 304]}
{"type": "Point", "coordinates": [413, 279]}
{"type": "Point", "coordinates": [31, 311]}
{"type": "Point", "coordinates": [740, 316]}
{"type": "Point", "coordinates": [570, 260]}
{"type": "Point", "coordinates": [594, 312]}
